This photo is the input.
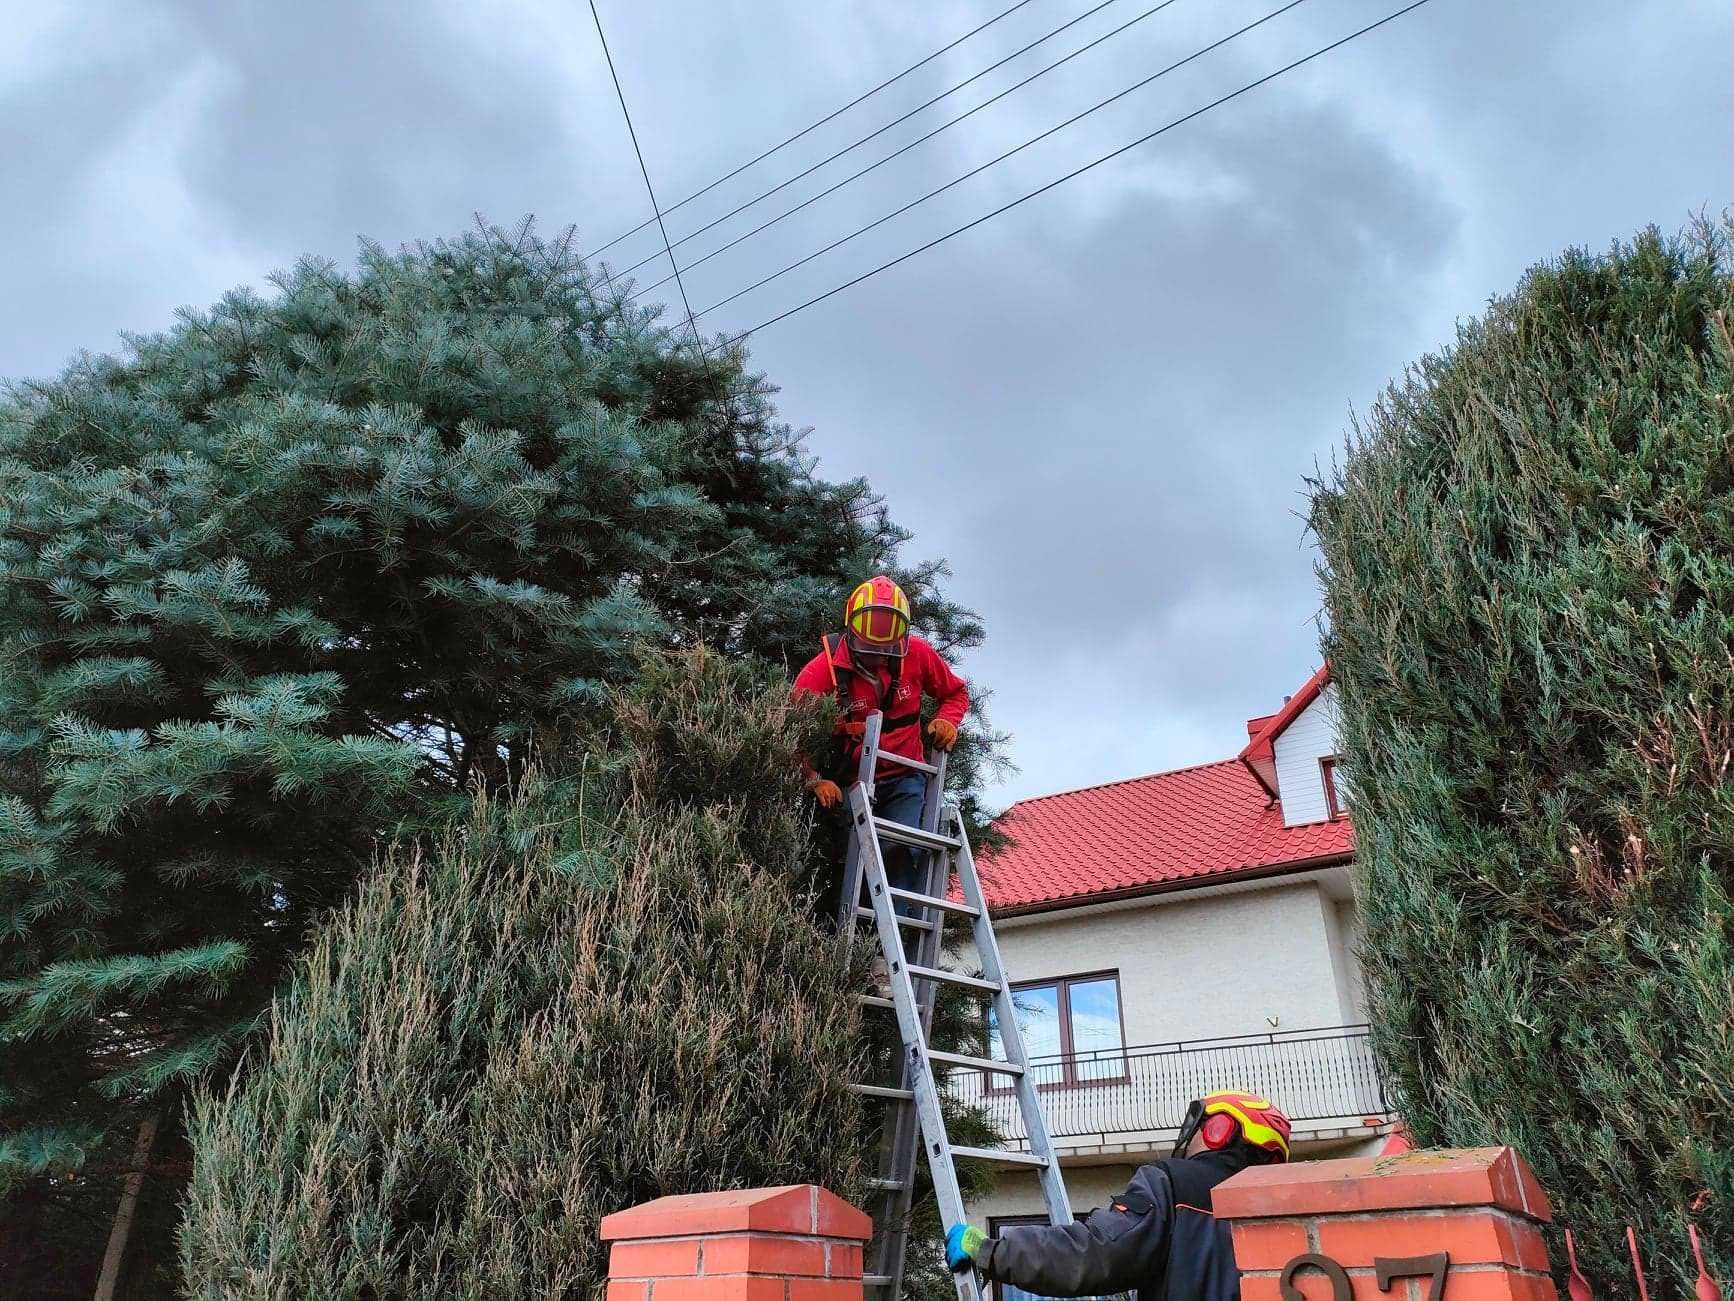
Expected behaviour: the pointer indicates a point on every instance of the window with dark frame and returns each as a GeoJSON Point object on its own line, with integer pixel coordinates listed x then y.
{"type": "Point", "coordinates": [1005, 1291]}
{"type": "Point", "coordinates": [1073, 1031]}
{"type": "Point", "coordinates": [1334, 803]}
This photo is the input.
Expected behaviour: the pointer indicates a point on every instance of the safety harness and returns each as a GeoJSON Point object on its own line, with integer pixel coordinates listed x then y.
{"type": "Point", "coordinates": [840, 685]}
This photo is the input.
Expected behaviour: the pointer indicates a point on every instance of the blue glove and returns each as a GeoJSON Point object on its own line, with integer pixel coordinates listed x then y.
{"type": "Point", "coordinates": [961, 1244]}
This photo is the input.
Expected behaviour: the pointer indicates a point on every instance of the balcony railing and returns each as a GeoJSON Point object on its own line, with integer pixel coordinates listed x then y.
{"type": "Point", "coordinates": [1115, 1094]}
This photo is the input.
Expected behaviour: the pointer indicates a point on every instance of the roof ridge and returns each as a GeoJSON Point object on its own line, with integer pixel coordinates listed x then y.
{"type": "Point", "coordinates": [1292, 707]}
{"type": "Point", "coordinates": [1121, 781]}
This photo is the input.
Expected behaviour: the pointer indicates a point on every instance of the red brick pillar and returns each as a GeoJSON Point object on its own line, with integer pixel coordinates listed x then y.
{"type": "Point", "coordinates": [1424, 1225]}
{"type": "Point", "coordinates": [799, 1243]}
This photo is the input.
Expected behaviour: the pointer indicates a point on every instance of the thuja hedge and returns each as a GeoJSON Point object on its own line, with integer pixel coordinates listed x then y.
{"type": "Point", "coordinates": [1528, 563]}
{"type": "Point", "coordinates": [595, 991]}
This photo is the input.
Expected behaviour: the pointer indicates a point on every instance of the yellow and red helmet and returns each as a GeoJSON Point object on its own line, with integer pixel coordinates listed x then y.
{"type": "Point", "coordinates": [1255, 1120]}
{"type": "Point", "coordinates": [876, 618]}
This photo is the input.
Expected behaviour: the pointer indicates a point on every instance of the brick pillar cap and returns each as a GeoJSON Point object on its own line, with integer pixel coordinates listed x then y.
{"type": "Point", "coordinates": [1425, 1178]}
{"type": "Point", "coordinates": [805, 1209]}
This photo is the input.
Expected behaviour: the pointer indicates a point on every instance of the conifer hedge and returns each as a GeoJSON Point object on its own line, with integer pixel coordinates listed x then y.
{"type": "Point", "coordinates": [594, 991]}
{"type": "Point", "coordinates": [1528, 562]}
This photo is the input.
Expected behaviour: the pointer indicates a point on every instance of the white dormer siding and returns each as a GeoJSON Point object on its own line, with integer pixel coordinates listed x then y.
{"type": "Point", "coordinates": [1299, 781]}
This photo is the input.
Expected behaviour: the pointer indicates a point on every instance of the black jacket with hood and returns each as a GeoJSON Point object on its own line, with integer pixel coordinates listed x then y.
{"type": "Point", "coordinates": [1158, 1237]}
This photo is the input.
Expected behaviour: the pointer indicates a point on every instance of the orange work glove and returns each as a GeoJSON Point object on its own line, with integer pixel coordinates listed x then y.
{"type": "Point", "coordinates": [942, 733]}
{"type": "Point", "coordinates": [828, 793]}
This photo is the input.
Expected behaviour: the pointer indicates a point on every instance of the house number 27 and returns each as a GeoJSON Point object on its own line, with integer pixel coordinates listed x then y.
{"type": "Point", "coordinates": [1385, 1268]}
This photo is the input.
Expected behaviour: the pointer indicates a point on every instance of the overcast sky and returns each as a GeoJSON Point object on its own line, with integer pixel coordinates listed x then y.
{"type": "Point", "coordinates": [1099, 407]}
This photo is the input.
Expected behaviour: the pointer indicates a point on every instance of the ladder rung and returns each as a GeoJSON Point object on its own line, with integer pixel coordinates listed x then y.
{"type": "Point", "coordinates": [1001, 1155]}
{"type": "Point", "coordinates": [953, 978]}
{"type": "Point", "coordinates": [888, 1185]}
{"type": "Point", "coordinates": [934, 901]}
{"type": "Point", "coordinates": [904, 761]}
{"type": "Point", "coordinates": [883, 1091]}
{"type": "Point", "coordinates": [876, 1280]}
{"type": "Point", "coordinates": [978, 1063]}
{"type": "Point", "coordinates": [876, 1000]}
{"type": "Point", "coordinates": [919, 923]}
{"type": "Point", "coordinates": [889, 830]}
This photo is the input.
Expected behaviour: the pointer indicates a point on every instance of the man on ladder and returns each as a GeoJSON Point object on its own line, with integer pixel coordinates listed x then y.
{"type": "Point", "coordinates": [906, 845]}
{"type": "Point", "coordinates": [878, 664]}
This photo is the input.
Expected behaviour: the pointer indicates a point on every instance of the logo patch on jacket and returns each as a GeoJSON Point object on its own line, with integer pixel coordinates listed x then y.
{"type": "Point", "coordinates": [1132, 1202]}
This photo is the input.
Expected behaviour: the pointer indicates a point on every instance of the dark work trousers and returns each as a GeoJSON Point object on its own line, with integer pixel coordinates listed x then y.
{"type": "Point", "coordinates": [899, 799]}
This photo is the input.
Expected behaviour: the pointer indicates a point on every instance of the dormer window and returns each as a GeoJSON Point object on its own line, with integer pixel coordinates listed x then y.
{"type": "Point", "coordinates": [1285, 751]}
{"type": "Point", "coordinates": [1335, 805]}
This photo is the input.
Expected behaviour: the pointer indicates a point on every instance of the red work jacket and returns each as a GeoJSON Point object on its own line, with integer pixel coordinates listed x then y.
{"type": "Point", "coordinates": [924, 674]}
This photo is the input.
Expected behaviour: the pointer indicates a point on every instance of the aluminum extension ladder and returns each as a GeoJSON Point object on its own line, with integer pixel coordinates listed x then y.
{"type": "Point", "coordinates": [914, 1119]}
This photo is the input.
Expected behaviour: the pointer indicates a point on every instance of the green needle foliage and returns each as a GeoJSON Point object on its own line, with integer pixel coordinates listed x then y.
{"type": "Point", "coordinates": [292, 579]}
{"type": "Point", "coordinates": [589, 993]}
{"type": "Point", "coordinates": [1529, 574]}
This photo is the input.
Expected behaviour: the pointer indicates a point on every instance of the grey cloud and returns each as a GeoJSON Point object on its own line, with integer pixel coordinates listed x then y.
{"type": "Point", "coordinates": [1100, 407]}
{"type": "Point", "coordinates": [1128, 497]}
{"type": "Point", "coordinates": [337, 119]}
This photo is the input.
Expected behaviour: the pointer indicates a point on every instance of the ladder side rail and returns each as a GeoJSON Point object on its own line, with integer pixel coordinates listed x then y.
{"type": "Point", "coordinates": [894, 1246]}
{"type": "Point", "coordinates": [903, 1136]}
{"type": "Point", "coordinates": [868, 766]}
{"type": "Point", "coordinates": [943, 1168]}
{"type": "Point", "coordinates": [933, 809]}
{"type": "Point", "coordinates": [901, 1128]}
{"type": "Point", "coordinates": [864, 770]}
{"type": "Point", "coordinates": [899, 1124]}
{"type": "Point", "coordinates": [901, 1131]}
{"type": "Point", "coordinates": [918, 1071]}
{"type": "Point", "coordinates": [1011, 1037]}
{"type": "Point", "coordinates": [931, 945]}
{"type": "Point", "coordinates": [850, 890]}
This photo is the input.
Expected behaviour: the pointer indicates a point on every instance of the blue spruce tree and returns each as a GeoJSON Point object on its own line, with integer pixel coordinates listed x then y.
{"type": "Point", "coordinates": [284, 582]}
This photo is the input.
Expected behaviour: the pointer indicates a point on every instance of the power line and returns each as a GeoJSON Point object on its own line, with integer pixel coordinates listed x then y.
{"type": "Point", "coordinates": [835, 113]}
{"type": "Point", "coordinates": [994, 162]}
{"type": "Point", "coordinates": [645, 171]}
{"type": "Point", "coordinates": [1144, 139]}
{"type": "Point", "coordinates": [1154, 9]}
{"type": "Point", "coordinates": [898, 121]}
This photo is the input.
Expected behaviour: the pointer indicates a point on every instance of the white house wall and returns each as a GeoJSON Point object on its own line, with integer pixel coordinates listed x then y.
{"type": "Point", "coordinates": [1195, 968]}
{"type": "Point", "coordinates": [1262, 963]}
{"type": "Point", "coordinates": [1342, 965]}
{"type": "Point", "coordinates": [1349, 928]}
{"type": "Point", "coordinates": [1309, 738]}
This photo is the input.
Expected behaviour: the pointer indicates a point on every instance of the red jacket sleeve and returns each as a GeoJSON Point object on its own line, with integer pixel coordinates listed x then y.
{"type": "Point", "coordinates": [938, 681]}
{"type": "Point", "coordinates": [813, 680]}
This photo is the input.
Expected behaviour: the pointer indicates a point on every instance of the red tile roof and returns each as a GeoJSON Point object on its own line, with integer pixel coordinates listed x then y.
{"type": "Point", "coordinates": [1167, 831]}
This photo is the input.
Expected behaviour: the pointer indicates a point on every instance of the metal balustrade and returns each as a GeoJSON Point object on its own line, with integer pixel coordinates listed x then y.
{"type": "Point", "coordinates": [1314, 1075]}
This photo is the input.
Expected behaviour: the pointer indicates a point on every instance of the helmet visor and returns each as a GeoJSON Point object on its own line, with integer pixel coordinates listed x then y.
{"type": "Point", "coordinates": [1189, 1127]}
{"type": "Point", "coordinates": [878, 630]}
